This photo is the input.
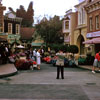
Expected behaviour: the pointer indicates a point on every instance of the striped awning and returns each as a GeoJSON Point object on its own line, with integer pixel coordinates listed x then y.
{"type": "Point", "coordinates": [92, 41]}
{"type": "Point", "coordinates": [37, 44]}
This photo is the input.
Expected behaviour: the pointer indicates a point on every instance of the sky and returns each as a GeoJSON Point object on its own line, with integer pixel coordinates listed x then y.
{"type": "Point", "coordinates": [43, 7]}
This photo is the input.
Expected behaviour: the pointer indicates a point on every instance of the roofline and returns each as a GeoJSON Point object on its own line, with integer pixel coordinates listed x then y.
{"type": "Point", "coordinates": [18, 18]}
{"type": "Point", "coordinates": [79, 4]}
{"type": "Point", "coordinates": [91, 3]}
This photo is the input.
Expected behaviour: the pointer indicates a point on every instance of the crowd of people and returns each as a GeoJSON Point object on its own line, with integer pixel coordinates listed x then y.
{"type": "Point", "coordinates": [38, 54]}
{"type": "Point", "coordinates": [4, 53]}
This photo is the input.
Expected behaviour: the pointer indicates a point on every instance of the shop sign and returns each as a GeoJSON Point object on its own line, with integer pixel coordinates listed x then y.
{"type": "Point", "coordinates": [93, 34]}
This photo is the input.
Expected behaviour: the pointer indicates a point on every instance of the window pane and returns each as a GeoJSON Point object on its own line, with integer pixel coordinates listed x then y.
{"type": "Point", "coordinates": [17, 28]}
{"type": "Point", "coordinates": [9, 28]}
{"type": "Point", "coordinates": [90, 24]}
{"type": "Point", "coordinates": [97, 22]}
{"type": "Point", "coordinates": [67, 25]}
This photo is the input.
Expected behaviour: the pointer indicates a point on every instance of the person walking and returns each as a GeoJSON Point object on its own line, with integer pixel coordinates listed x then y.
{"type": "Point", "coordinates": [60, 64]}
{"type": "Point", "coordinates": [34, 54]}
{"type": "Point", "coordinates": [38, 58]}
{"type": "Point", "coordinates": [96, 62]}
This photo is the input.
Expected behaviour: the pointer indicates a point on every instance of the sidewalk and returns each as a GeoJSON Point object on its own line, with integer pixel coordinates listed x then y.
{"type": "Point", "coordinates": [7, 70]}
{"type": "Point", "coordinates": [88, 67]}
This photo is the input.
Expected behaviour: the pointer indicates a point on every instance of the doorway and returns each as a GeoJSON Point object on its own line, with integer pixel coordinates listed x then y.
{"type": "Point", "coordinates": [81, 45]}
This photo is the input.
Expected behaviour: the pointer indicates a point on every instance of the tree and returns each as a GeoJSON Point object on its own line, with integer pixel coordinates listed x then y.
{"type": "Point", "coordinates": [50, 30]}
{"type": "Point", "coordinates": [30, 14]}
{"type": "Point", "coordinates": [73, 49]}
{"type": "Point", "coordinates": [27, 16]}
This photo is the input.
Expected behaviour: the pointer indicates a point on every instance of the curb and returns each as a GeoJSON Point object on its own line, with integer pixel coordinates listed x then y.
{"type": "Point", "coordinates": [8, 75]}
{"type": "Point", "coordinates": [83, 68]}
{"type": "Point", "coordinates": [87, 69]}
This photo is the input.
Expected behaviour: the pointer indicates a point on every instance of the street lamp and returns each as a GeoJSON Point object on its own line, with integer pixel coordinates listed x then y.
{"type": "Point", "coordinates": [15, 40]}
{"type": "Point", "coordinates": [61, 39]}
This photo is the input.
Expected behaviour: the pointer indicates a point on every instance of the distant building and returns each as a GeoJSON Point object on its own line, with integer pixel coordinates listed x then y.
{"type": "Point", "coordinates": [9, 26]}
{"type": "Point", "coordinates": [93, 24]}
{"type": "Point", "coordinates": [29, 37]}
{"type": "Point", "coordinates": [3, 36]}
{"type": "Point", "coordinates": [81, 29]}
{"type": "Point", "coordinates": [26, 36]}
{"type": "Point", "coordinates": [69, 25]}
{"type": "Point", "coordinates": [12, 26]}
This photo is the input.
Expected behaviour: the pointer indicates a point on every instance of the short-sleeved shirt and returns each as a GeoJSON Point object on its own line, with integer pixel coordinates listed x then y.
{"type": "Point", "coordinates": [97, 56]}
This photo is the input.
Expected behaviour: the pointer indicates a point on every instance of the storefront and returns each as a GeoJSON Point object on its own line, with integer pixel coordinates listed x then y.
{"type": "Point", "coordinates": [93, 38]}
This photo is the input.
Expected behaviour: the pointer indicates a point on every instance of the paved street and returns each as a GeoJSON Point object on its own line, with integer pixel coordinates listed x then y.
{"type": "Point", "coordinates": [79, 84]}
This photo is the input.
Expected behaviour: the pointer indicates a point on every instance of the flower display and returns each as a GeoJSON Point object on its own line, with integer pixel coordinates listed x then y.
{"type": "Point", "coordinates": [22, 64]}
{"type": "Point", "coordinates": [34, 62]}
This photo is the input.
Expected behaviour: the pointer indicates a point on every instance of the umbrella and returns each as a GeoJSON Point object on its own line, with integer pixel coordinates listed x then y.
{"type": "Point", "coordinates": [20, 46]}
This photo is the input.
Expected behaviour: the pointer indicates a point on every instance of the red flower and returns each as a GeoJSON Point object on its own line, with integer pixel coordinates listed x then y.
{"type": "Point", "coordinates": [34, 62]}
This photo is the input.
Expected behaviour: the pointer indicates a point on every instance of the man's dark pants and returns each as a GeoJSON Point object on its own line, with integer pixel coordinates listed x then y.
{"type": "Point", "coordinates": [60, 69]}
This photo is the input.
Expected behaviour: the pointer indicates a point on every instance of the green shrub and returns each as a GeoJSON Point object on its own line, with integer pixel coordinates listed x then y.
{"type": "Point", "coordinates": [81, 61]}
{"type": "Point", "coordinates": [73, 49]}
{"type": "Point", "coordinates": [46, 54]}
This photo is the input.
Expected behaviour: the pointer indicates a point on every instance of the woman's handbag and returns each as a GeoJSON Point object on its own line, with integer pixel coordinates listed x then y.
{"type": "Point", "coordinates": [95, 63]}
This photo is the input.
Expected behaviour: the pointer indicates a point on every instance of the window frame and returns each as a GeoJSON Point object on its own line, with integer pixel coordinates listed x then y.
{"type": "Point", "coordinates": [67, 22]}
{"type": "Point", "coordinates": [97, 22]}
{"type": "Point", "coordinates": [10, 28]}
{"type": "Point", "coordinates": [91, 24]}
{"type": "Point", "coordinates": [17, 28]}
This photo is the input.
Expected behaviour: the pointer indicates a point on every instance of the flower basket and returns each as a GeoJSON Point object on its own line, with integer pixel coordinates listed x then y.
{"type": "Point", "coordinates": [22, 64]}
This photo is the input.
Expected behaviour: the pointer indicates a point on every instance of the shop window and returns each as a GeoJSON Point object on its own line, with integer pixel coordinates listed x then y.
{"type": "Point", "coordinates": [10, 28]}
{"type": "Point", "coordinates": [67, 25]}
{"type": "Point", "coordinates": [97, 22]}
{"type": "Point", "coordinates": [90, 24]}
{"type": "Point", "coordinates": [17, 28]}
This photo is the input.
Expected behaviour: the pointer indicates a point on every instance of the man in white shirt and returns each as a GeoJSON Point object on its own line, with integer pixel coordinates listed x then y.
{"type": "Point", "coordinates": [34, 54]}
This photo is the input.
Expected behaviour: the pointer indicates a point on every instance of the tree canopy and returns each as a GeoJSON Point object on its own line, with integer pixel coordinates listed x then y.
{"type": "Point", "coordinates": [26, 15]}
{"type": "Point", "coordinates": [50, 30]}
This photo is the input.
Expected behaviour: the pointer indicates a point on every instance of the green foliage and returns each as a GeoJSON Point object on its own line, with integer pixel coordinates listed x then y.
{"type": "Point", "coordinates": [50, 30]}
{"type": "Point", "coordinates": [81, 61]}
{"type": "Point", "coordinates": [58, 47]}
{"type": "Point", "coordinates": [73, 49]}
{"type": "Point", "coordinates": [89, 60]}
{"type": "Point", "coordinates": [86, 61]}
{"type": "Point", "coordinates": [27, 16]}
{"type": "Point", "coordinates": [46, 54]}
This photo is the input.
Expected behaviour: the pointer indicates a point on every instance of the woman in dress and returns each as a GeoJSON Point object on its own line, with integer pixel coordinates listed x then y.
{"type": "Point", "coordinates": [38, 58]}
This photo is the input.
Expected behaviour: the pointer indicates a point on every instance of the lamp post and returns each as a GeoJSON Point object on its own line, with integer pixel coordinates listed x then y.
{"type": "Point", "coordinates": [15, 40]}
{"type": "Point", "coordinates": [61, 39]}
